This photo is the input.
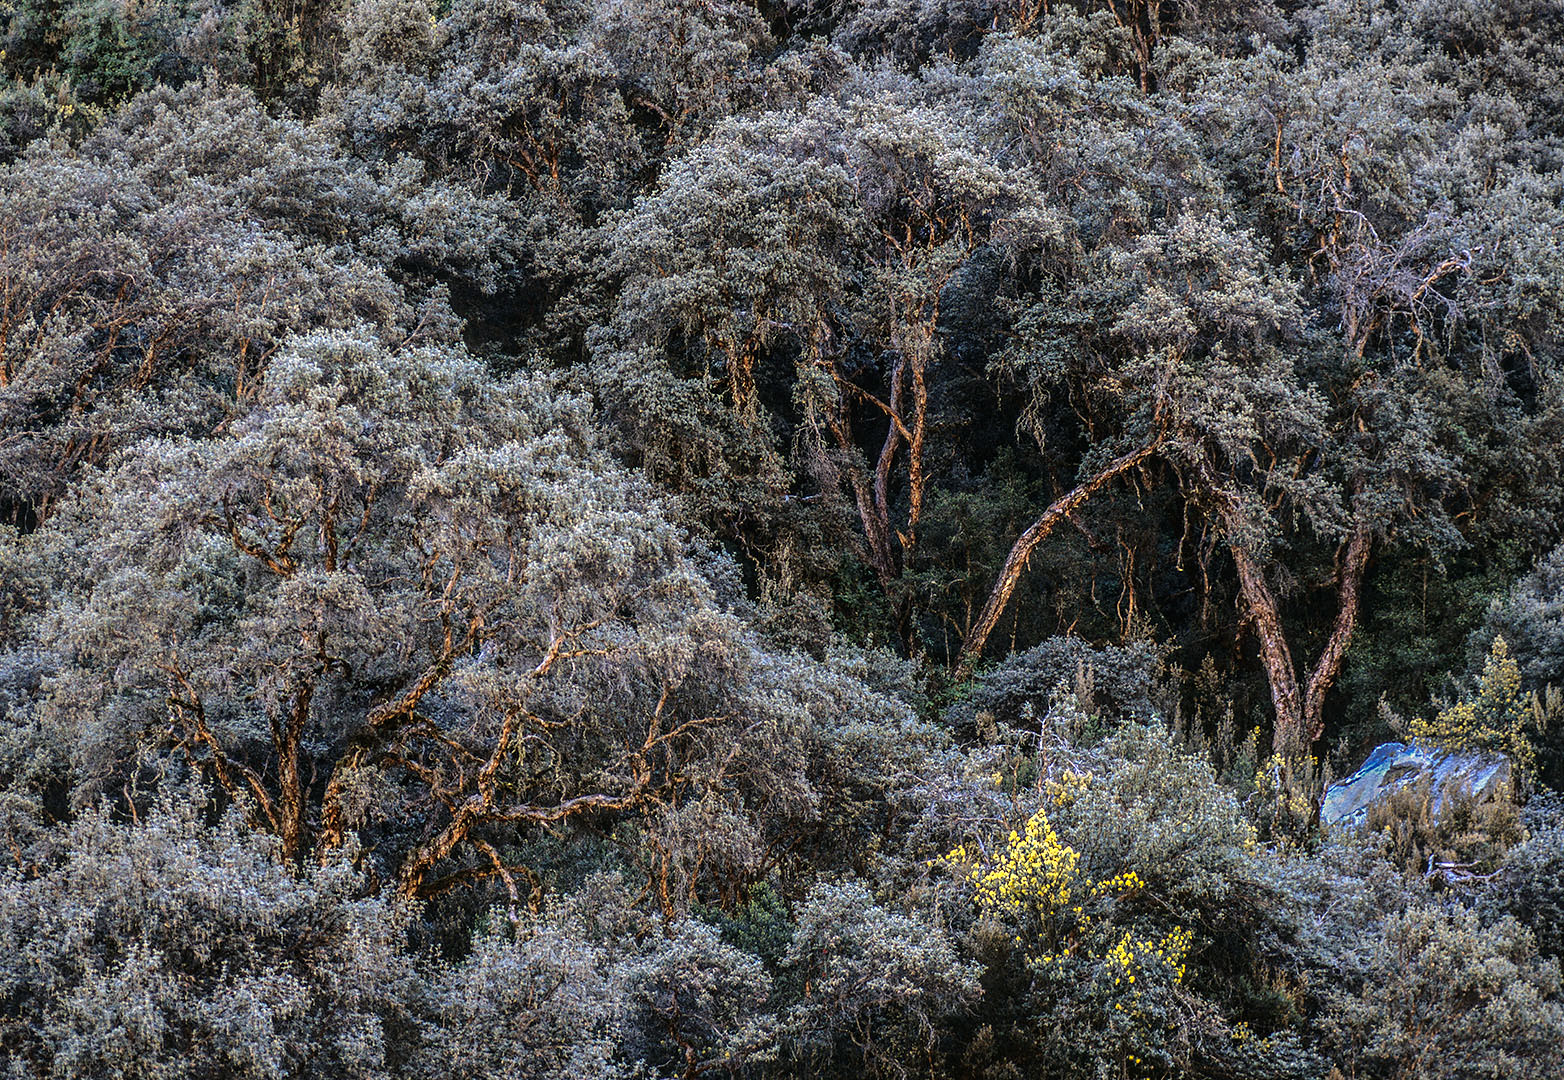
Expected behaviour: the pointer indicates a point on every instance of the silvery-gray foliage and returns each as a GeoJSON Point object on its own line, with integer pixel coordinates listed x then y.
{"type": "Point", "coordinates": [403, 598]}
{"type": "Point", "coordinates": [533, 998]}
{"type": "Point", "coordinates": [172, 947]}
{"type": "Point", "coordinates": [552, 468]}
{"type": "Point", "coordinates": [149, 275]}
{"type": "Point", "coordinates": [1440, 995]}
{"type": "Point", "coordinates": [876, 979]}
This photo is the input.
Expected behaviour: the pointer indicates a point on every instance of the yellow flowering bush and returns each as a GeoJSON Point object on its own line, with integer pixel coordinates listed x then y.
{"type": "Point", "coordinates": [1065, 790]}
{"type": "Point", "coordinates": [1088, 910]}
{"type": "Point", "coordinates": [1062, 921]}
{"type": "Point", "coordinates": [1030, 883]}
{"type": "Point", "coordinates": [1034, 884]}
{"type": "Point", "coordinates": [1286, 791]}
{"type": "Point", "coordinates": [1494, 721]}
{"type": "Point", "coordinates": [1164, 955]}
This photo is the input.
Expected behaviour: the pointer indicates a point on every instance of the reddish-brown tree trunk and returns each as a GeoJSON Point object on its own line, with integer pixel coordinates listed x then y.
{"type": "Point", "coordinates": [1263, 614]}
{"type": "Point", "coordinates": [1300, 710]}
{"type": "Point", "coordinates": [1021, 552]}
{"type": "Point", "coordinates": [1349, 594]}
{"type": "Point", "coordinates": [293, 800]}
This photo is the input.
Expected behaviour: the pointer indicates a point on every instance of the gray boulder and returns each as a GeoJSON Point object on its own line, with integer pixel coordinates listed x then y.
{"type": "Point", "coordinates": [1395, 766]}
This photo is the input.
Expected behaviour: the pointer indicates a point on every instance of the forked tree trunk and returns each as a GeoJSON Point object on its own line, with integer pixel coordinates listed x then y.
{"type": "Point", "coordinates": [1349, 599]}
{"type": "Point", "coordinates": [890, 549]}
{"type": "Point", "coordinates": [1021, 552]}
{"type": "Point", "coordinates": [1300, 711]}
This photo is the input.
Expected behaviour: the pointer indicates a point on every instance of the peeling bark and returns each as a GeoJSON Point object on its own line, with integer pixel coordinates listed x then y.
{"type": "Point", "coordinates": [1353, 564]}
{"type": "Point", "coordinates": [1021, 552]}
{"type": "Point", "coordinates": [1300, 710]}
{"type": "Point", "coordinates": [1263, 615]}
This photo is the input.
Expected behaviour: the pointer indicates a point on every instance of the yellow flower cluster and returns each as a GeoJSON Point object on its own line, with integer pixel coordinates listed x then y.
{"type": "Point", "coordinates": [1033, 883]}
{"type": "Point", "coordinates": [1494, 721]}
{"type": "Point", "coordinates": [1065, 790]}
{"type": "Point", "coordinates": [1131, 957]}
{"type": "Point", "coordinates": [1033, 876]}
{"type": "Point", "coordinates": [1243, 1035]}
{"type": "Point", "coordinates": [1120, 884]}
{"type": "Point", "coordinates": [1278, 795]}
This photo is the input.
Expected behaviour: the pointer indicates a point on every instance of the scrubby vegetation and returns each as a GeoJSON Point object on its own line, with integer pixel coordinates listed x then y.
{"type": "Point", "coordinates": [820, 538]}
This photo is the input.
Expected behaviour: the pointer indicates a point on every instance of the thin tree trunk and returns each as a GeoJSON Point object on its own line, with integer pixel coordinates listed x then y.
{"type": "Point", "coordinates": [1021, 552]}
{"type": "Point", "coordinates": [876, 530]}
{"type": "Point", "coordinates": [882, 470]}
{"type": "Point", "coordinates": [287, 739]}
{"type": "Point", "coordinates": [922, 353]}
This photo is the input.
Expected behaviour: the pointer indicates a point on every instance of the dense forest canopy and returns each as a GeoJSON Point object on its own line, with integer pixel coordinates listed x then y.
{"type": "Point", "coordinates": [821, 538]}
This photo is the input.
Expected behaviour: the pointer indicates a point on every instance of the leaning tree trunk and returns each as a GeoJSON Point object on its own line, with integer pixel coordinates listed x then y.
{"type": "Point", "coordinates": [1021, 552]}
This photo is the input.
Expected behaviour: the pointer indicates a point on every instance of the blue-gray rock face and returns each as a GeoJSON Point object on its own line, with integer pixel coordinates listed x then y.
{"type": "Point", "coordinates": [1395, 766]}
